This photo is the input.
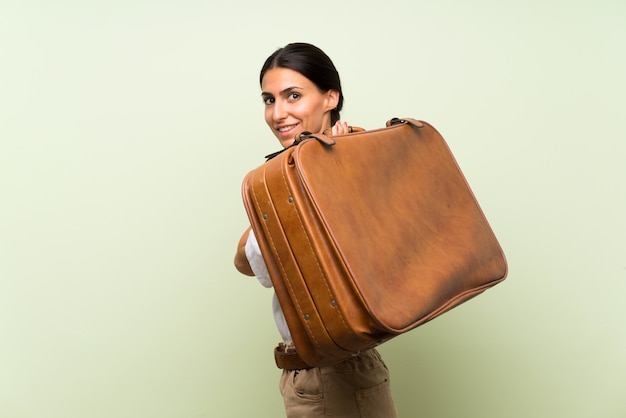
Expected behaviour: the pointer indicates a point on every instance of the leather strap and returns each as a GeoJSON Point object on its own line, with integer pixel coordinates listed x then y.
{"type": "Point", "coordinates": [325, 138]}
{"type": "Point", "coordinates": [397, 121]}
{"type": "Point", "coordinates": [287, 358]}
{"type": "Point", "coordinates": [351, 129]}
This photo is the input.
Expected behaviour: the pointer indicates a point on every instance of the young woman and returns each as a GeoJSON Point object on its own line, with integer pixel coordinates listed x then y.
{"type": "Point", "coordinates": [301, 91]}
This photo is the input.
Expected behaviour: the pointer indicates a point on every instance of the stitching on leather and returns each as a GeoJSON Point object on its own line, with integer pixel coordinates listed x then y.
{"type": "Point", "coordinates": [282, 268]}
{"type": "Point", "coordinates": [315, 257]}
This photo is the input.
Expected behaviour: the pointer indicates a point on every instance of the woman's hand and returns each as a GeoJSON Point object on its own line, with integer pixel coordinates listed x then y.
{"type": "Point", "coordinates": [340, 128]}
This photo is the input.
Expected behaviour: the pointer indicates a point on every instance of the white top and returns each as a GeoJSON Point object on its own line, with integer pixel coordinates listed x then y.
{"type": "Point", "coordinates": [255, 259]}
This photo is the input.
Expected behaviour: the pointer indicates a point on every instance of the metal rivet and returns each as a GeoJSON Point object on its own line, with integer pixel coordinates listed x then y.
{"type": "Point", "coordinates": [290, 199]}
{"type": "Point", "coordinates": [265, 216]}
{"type": "Point", "coordinates": [306, 316]}
{"type": "Point", "coordinates": [333, 303]}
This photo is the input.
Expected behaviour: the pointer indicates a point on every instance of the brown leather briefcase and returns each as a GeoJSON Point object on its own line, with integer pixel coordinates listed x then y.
{"type": "Point", "coordinates": [368, 235]}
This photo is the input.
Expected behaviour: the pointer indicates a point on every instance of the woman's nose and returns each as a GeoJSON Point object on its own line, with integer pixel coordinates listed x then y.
{"type": "Point", "coordinates": [280, 111]}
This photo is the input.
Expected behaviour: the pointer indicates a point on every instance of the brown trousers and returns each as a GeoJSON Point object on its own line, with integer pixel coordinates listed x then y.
{"type": "Point", "coordinates": [355, 388]}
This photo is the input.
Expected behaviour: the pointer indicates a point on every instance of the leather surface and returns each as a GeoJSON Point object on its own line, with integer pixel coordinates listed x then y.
{"type": "Point", "coordinates": [370, 237]}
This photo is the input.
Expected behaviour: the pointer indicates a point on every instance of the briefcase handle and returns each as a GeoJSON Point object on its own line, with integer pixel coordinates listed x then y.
{"type": "Point", "coordinates": [351, 129]}
{"type": "Point", "coordinates": [325, 138]}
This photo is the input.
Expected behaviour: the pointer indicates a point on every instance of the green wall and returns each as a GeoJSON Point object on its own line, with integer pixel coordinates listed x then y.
{"type": "Point", "coordinates": [126, 128]}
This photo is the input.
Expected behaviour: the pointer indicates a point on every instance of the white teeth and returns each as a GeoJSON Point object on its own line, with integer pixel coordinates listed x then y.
{"type": "Point", "coordinates": [285, 128]}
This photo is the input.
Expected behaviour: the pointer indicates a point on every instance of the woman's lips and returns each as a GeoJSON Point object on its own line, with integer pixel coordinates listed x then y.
{"type": "Point", "coordinates": [287, 130]}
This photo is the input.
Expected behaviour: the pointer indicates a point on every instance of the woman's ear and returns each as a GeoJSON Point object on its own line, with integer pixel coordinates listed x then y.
{"type": "Point", "coordinates": [332, 99]}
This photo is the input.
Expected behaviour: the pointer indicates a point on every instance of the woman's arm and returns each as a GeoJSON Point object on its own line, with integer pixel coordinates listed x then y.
{"type": "Point", "coordinates": [241, 261]}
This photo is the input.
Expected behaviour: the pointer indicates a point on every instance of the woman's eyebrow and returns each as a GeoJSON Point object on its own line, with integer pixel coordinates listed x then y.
{"type": "Point", "coordinates": [282, 92]}
{"type": "Point", "coordinates": [290, 89]}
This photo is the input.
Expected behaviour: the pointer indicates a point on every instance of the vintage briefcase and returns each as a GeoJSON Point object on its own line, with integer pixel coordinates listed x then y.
{"type": "Point", "coordinates": [368, 235]}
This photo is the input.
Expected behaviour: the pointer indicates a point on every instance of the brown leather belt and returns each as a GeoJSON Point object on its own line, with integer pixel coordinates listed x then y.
{"type": "Point", "coordinates": [287, 358]}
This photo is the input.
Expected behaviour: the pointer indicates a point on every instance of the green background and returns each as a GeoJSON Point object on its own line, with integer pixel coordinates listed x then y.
{"type": "Point", "coordinates": [126, 128]}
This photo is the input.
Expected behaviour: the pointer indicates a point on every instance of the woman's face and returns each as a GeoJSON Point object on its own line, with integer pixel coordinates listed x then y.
{"type": "Point", "coordinates": [294, 104]}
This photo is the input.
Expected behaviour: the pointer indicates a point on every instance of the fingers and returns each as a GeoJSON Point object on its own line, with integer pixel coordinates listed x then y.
{"type": "Point", "coordinates": [340, 128]}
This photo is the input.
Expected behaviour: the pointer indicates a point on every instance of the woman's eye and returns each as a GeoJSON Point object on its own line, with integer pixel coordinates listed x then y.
{"type": "Point", "coordinates": [268, 100]}
{"type": "Point", "coordinates": [294, 96]}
